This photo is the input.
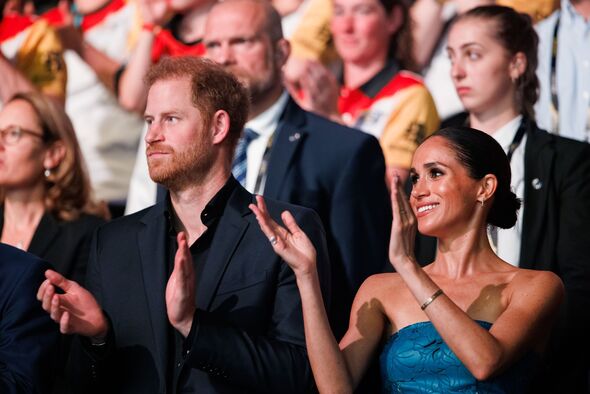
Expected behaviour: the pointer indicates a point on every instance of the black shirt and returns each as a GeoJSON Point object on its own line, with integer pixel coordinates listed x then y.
{"type": "Point", "coordinates": [199, 251]}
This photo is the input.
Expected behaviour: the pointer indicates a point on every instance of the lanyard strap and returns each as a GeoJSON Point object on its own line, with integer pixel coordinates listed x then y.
{"type": "Point", "coordinates": [553, 79]}
{"type": "Point", "coordinates": [261, 178]}
{"type": "Point", "coordinates": [517, 138]}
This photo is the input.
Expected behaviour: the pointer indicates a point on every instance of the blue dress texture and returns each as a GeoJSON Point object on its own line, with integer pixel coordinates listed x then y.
{"type": "Point", "coordinates": [416, 360]}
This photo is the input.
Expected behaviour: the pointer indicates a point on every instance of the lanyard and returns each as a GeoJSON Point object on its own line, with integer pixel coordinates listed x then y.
{"type": "Point", "coordinates": [553, 79]}
{"type": "Point", "coordinates": [517, 138]}
{"type": "Point", "coordinates": [261, 178]}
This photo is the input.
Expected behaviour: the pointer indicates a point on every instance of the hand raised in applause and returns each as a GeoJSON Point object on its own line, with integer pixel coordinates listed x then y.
{"type": "Point", "coordinates": [76, 310]}
{"type": "Point", "coordinates": [291, 243]}
{"type": "Point", "coordinates": [403, 228]}
{"type": "Point", "coordinates": [180, 290]}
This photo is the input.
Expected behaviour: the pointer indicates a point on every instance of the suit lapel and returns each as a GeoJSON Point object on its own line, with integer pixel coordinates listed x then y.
{"type": "Point", "coordinates": [151, 241]}
{"type": "Point", "coordinates": [288, 138]}
{"type": "Point", "coordinates": [229, 232]}
{"type": "Point", "coordinates": [46, 232]}
{"type": "Point", "coordinates": [539, 158]}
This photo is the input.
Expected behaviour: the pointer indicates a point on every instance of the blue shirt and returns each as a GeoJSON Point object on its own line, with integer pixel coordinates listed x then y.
{"type": "Point", "coordinates": [572, 71]}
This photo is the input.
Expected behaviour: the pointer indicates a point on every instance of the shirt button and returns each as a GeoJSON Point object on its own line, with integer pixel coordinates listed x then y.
{"type": "Point", "coordinates": [178, 365]}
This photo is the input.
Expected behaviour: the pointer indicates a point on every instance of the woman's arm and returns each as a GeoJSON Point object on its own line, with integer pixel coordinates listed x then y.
{"type": "Point", "coordinates": [334, 371]}
{"type": "Point", "coordinates": [531, 308]}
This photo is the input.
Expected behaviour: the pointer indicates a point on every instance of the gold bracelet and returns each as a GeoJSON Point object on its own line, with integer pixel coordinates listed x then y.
{"type": "Point", "coordinates": [431, 298]}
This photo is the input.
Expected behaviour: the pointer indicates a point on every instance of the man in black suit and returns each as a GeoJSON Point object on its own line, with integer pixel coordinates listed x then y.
{"type": "Point", "coordinates": [220, 316]}
{"type": "Point", "coordinates": [302, 158]}
{"type": "Point", "coordinates": [28, 338]}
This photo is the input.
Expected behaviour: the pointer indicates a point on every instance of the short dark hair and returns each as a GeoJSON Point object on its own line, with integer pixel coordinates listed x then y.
{"type": "Point", "coordinates": [481, 154]}
{"type": "Point", "coordinates": [212, 88]}
{"type": "Point", "coordinates": [515, 32]}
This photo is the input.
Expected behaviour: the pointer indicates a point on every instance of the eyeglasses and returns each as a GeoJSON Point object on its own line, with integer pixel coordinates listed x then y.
{"type": "Point", "coordinates": [11, 135]}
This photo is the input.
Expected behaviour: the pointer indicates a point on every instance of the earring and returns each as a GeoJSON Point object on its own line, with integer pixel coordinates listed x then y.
{"type": "Point", "coordinates": [47, 172]}
{"type": "Point", "coordinates": [482, 201]}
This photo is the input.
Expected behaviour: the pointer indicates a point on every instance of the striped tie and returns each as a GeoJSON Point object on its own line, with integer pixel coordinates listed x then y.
{"type": "Point", "coordinates": [241, 156]}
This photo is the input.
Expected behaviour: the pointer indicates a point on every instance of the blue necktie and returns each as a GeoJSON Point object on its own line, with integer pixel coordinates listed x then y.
{"type": "Point", "coordinates": [240, 165]}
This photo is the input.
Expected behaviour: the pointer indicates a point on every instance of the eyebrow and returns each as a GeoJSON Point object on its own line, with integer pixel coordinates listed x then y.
{"type": "Point", "coordinates": [430, 165]}
{"type": "Point", "coordinates": [463, 46]}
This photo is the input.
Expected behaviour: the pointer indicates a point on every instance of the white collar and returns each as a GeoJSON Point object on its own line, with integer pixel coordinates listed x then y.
{"type": "Point", "coordinates": [266, 123]}
{"type": "Point", "coordinates": [505, 134]}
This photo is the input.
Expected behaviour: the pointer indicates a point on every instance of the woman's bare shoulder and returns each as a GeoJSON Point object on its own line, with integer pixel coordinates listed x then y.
{"type": "Point", "coordinates": [537, 281]}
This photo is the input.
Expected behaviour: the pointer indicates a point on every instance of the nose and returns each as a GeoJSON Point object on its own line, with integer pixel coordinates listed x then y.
{"type": "Point", "coordinates": [224, 55]}
{"type": "Point", "coordinates": [457, 70]}
{"type": "Point", "coordinates": [154, 133]}
{"type": "Point", "coordinates": [419, 189]}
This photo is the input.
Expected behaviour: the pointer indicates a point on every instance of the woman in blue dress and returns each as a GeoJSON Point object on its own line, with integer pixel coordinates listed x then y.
{"type": "Point", "coordinates": [469, 321]}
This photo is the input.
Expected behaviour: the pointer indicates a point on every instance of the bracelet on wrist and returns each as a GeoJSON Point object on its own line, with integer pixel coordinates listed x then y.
{"type": "Point", "coordinates": [431, 298]}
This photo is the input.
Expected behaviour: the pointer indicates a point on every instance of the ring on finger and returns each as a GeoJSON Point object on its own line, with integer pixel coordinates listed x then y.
{"type": "Point", "coordinates": [273, 240]}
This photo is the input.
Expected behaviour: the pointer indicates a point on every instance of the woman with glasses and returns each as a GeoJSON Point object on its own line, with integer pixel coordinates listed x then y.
{"type": "Point", "coordinates": [46, 206]}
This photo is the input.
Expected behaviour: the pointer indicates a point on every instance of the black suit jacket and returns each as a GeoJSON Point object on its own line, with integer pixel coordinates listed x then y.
{"type": "Point", "coordinates": [340, 173]}
{"type": "Point", "coordinates": [555, 237]}
{"type": "Point", "coordinates": [247, 335]}
{"type": "Point", "coordinates": [28, 337]}
{"type": "Point", "coordinates": [65, 244]}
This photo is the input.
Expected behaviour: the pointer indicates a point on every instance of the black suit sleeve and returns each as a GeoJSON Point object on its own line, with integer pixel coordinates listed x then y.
{"type": "Point", "coordinates": [28, 337]}
{"type": "Point", "coordinates": [276, 361]}
{"type": "Point", "coordinates": [362, 220]}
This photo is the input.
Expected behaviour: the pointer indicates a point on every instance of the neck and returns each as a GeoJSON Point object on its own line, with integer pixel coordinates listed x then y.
{"type": "Point", "coordinates": [261, 104]}
{"type": "Point", "coordinates": [190, 202]}
{"type": "Point", "coordinates": [358, 73]}
{"type": "Point", "coordinates": [192, 24]}
{"type": "Point", "coordinates": [582, 7]}
{"type": "Point", "coordinates": [490, 121]}
{"type": "Point", "coordinates": [22, 214]}
{"type": "Point", "coordinates": [464, 255]}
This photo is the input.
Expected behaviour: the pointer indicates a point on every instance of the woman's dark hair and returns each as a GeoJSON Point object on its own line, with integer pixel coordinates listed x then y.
{"type": "Point", "coordinates": [401, 43]}
{"type": "Point", "coordinates": [515, 32]}
{"type": "Point", "coordinates": [481, 154]}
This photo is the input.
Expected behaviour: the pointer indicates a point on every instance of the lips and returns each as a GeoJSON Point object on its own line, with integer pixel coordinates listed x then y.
{"type": "Point", "coordinates": [155, 151]}
{"type": "Point", "coordinates": [425, 209]}
{"type": "Point", "coordinates": [463, 90]}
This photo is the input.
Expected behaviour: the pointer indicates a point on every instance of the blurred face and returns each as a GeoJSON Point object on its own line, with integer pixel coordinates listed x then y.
{"type": "Point", "coordinates": [482, 70]}
{"type": "Point", "coordinates": [443, 195]}
{"type": "Point", "coordinates": [178, 148]}
{"type": "Point", "coordinates": [362, 30]}
{"type": "Point", "coordinates": [21, 158]}
{"type": "Point", "coordinates": [235, 37]}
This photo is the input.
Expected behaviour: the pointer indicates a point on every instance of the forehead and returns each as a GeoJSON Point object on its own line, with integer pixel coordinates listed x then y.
{"type": "Point", "coordinates": [471, 30]}
{"type": "Point", "coordinates": [234, 18]}
{"type": "Point", "coordinates": [168, 95]}
{"type": "Point", "coordinates": [434, 149]}
{"type": "Point", "coordinates": [19, 113]}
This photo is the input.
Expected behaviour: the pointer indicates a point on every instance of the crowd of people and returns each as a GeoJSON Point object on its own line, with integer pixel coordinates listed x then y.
{"type": "Point", "coordinates": [294, 196]}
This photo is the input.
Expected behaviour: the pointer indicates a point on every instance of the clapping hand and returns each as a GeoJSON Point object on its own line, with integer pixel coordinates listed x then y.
{"type": "Point", "coordinates": [180, 290]}
{"type": "Point", "coordinates": [291, 243]}
{"type": "Point", "coordinates": [76, 310]}
{"type": "Point", "coordinates": [403, 227]}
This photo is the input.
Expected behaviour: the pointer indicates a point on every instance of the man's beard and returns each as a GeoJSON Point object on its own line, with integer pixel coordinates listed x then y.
{"type": "Point", "coordinates": [181, 169]}
{"type": "Point", "coordinates": [257, 86]}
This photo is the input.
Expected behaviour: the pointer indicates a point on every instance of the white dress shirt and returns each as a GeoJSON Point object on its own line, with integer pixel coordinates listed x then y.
{"type": "Point", "coordinates": [264, 124]}
{"type": "Point", "coordinates": [508, 245]}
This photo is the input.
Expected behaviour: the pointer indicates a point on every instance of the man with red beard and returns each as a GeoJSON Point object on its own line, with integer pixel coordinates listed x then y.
{"type": "Point", "coordinates": [188, 295]}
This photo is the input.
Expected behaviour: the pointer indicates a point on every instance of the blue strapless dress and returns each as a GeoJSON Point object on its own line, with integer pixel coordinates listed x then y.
{"type": "Point", "coordinates": [416, 360]}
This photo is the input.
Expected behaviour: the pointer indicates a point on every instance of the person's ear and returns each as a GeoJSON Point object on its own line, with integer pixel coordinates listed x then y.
{"type": "Point", "coordinates": [54, 154]}
{"type": "Point", "coordinates": [487, 188]}
{"type": "Point", "coordinates": [282, 52]}
{"type": "Point", "coordinates": [220, 126]}
{"type": "Point", "coordinates": [395, 19]}
{"type": "Point", "coordinates": [518, 66]}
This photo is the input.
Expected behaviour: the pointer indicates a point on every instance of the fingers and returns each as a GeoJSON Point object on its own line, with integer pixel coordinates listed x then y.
{"type": "Point", "coordinates": [267, 225]}
{"type": "Point", "coordinates": [183, 261]}
{"type": "Point", "coordinates": [290, 222]}
{"type": "Point", "coordinates": [64, 323]}
{"type": "Point", "coordinates": [58, 280]}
